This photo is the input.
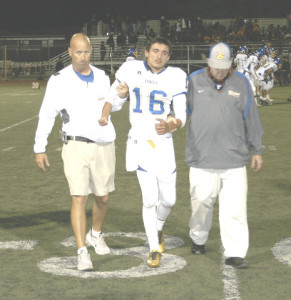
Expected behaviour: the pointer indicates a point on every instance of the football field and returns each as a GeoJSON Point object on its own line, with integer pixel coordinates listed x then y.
{"type": "Point", "coordinates": [37, 249]}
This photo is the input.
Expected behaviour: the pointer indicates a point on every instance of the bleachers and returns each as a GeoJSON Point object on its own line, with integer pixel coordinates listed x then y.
{"type": "Point", "coordinates": [48, 49]}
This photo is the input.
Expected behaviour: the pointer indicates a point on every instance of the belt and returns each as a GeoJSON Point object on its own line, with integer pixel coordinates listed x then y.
{"type": "Point", "coordinates": [79, 139]}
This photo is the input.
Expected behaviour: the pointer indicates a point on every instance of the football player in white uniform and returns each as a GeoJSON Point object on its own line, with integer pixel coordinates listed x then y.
{"type": "Point", "coordinates": [241, 59]}
{"type": "Point", "coordinates": [272, 54]}
{"type": "Point", "coordinates": [157, 107]}
{"type": "Point", "coordinates": [250, 72]}
{"type": "Point", "coordinates": [266, 74]}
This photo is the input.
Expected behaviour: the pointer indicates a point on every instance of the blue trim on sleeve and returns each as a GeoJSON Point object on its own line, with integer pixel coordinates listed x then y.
{"type": "Point", "coordinates": [183, 93]}
{"type": "Point", "coordinates": [141, 169]}
{"type": "Point", "coordinates": [249, 93]}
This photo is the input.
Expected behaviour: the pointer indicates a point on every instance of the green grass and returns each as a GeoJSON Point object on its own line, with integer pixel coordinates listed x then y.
{"type": "Point", "coordinates": [36, 206]}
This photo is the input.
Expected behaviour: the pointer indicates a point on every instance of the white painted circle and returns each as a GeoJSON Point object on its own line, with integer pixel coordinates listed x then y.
{"type": "Point", "coordinates": [66, 266]}
{"type": "Point", "coordinates": [282, 251]}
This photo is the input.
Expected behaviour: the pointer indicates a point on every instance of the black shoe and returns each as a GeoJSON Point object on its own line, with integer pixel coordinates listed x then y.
{"type": "Point", "coordinates": [265, 103]}
{"type": "Point", "coordinates": [237, 262]}
{"type": "Point", "coordinates": [197, 249]}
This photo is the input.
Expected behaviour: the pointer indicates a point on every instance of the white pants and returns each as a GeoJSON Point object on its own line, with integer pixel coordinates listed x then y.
{"type": "Point", "coordinates": [252, 80]}
{"type": "Point", "coordinates": [156, 173]}
{"type": "Point", "coordinates": [156, 170]}
{"type": "Point", "coordinates": [231, 187]}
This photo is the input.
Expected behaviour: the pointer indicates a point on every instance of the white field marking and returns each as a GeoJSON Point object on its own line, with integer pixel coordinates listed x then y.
{"type": "Point", "coordinates": [59, 149]}
{"type": "Point", "coordinates": [17, 124]}
{"type": "Point", "coordinates": [282, 251]}
{"type": "Point", "coordinates": [20, 93]}
{"type": "Point", "coordinates": [67, 266]}
{"type": "Point", "coordinates": [14, 93]}
{"type": "Point", "coordinates": [19, 245]}
{"type": "Point", "coordinates": [272, 148]}
{"type": "Point", "coordinates": [230, 281]}
{"type": "Point", "coordinates": [8, 149]}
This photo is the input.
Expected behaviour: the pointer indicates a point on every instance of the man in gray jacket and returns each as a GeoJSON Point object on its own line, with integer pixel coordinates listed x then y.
{"type": "Point", "coordinates": [224, 126]}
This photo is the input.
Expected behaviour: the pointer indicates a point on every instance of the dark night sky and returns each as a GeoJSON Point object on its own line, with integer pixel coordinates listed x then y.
{"type": "Point", "coordinates": [35, 16]}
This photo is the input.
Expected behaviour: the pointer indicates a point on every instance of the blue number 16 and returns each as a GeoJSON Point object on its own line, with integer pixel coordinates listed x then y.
{"type": "Point", "coordinates": [153, 105]}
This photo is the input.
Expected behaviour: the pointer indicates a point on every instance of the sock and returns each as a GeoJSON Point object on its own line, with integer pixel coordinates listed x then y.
{"type": "Point", "coordinates": [149, 215]}
{"type": "Point", "coordinates": [160, 224]}
{"type": "Point", "coordinates": [81, 250]}
{"type": "Point", "coordinates": [95, 233]}
{"type": "Point", "coordinates": [162, 214]}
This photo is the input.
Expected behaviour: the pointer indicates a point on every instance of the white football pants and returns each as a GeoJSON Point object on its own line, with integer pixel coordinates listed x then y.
{"type": "Point", "coordinates": [157, 178]}
{"type": "Point", "coordinates": [231, 187]}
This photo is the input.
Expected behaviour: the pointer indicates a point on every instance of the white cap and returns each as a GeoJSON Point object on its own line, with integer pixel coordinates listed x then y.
{"type": "Point", "coordinates": [220, 56]}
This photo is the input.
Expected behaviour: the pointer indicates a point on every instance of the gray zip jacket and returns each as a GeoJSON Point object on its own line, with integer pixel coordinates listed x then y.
{"type": "Point", "coordinates": [224, 126]}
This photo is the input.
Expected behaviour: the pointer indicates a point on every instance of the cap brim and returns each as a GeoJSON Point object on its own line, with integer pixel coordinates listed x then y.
{"type": "Point", "coordinates": [219, 64]}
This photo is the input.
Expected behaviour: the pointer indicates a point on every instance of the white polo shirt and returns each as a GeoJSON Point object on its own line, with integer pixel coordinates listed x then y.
{"type": "Point", "coordinates": [80, 105]}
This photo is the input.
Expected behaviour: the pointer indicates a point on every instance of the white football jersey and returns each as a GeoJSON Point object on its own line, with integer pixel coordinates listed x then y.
{"type": "Point", "coordinates": [253, 59]}
{"type": "Point", "coordinates": [152, 96]}
{"type": "Point", "coordinates": [261, 72]}
{"type": "Point", "coordinates": [241, 62]}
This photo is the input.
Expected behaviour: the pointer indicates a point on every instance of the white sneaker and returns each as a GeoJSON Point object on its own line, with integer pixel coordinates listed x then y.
{"type": "Point", "coordinates": [84, 262]}
{"type": "Point", "coordinates": [98, 243]}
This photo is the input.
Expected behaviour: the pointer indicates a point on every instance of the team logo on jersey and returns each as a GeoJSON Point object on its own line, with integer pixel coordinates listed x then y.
{"type": "Point", "coordinates": [101, 98]}
{"type": "Point", "coordinates": [234, 94]}
{"type": "Point", "coordinates": [220, 55]}
{"type": "Point", "coordinates": [139, 72]}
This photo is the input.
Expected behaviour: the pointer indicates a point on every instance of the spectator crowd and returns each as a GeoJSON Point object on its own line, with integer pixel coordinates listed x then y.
{"type": "Point", "coordinates": [187, 30]}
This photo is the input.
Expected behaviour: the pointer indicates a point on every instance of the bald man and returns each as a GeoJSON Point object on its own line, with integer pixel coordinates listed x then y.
{"type": "Point", "coordinates": [78, 93]}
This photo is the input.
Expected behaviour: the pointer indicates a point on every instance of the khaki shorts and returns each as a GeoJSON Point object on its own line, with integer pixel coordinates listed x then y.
{"type": "Point", "coordinates": [89, 167]}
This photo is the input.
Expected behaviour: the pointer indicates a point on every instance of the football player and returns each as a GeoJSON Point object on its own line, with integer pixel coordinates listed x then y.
{"type": "Point", "coordinates": [265, 73]}
{"type": "Point", "coordinates": [240, 60]}
{"type": "Point", "coordinates": [250, 72]}
{"type": "Point", "coordinates": [157, 107]}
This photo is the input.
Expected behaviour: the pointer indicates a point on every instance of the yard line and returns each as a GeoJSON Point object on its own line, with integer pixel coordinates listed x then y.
{"type": "Point", "coordinates": [8, 149]}
{"type": "Point", "coordinates": [13, 92]}
{"type": "Point", "coordinates": [230, 281]}
{"type": "Point", "coordinates": [16, 124]}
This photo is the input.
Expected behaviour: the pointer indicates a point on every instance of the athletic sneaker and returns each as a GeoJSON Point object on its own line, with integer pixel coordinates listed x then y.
{"type": "Point", "coordinates": [98, 243]}
{"type": "Point", "coordinates": [154, 259]}
{"type": "Point", "coordinates": [237, 262]}
{"type": "Point", "coordinates": [197, 249]}
{"type": "Point", "coordinates": [161, 237]}
{"type": "Point", "coordinates": [84, 262]}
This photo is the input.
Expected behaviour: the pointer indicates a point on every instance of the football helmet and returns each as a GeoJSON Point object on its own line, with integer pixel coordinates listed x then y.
{"type": "Point", "coordinates": [272, 52]}
{"type": "Point", "coordinates": [263, 49]}
{"type": "Point", "coordinates": [242, 49]}
{"type": "Point", "coordinates": [278, 62]}
{"type": "Point", "coordinates": [132, 52]}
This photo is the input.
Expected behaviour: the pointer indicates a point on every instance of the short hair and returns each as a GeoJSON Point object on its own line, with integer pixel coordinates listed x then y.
{"type": "Point", "coordinates": [79, 35]}
{"type": "Point", "coordinates": [159, 40]}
